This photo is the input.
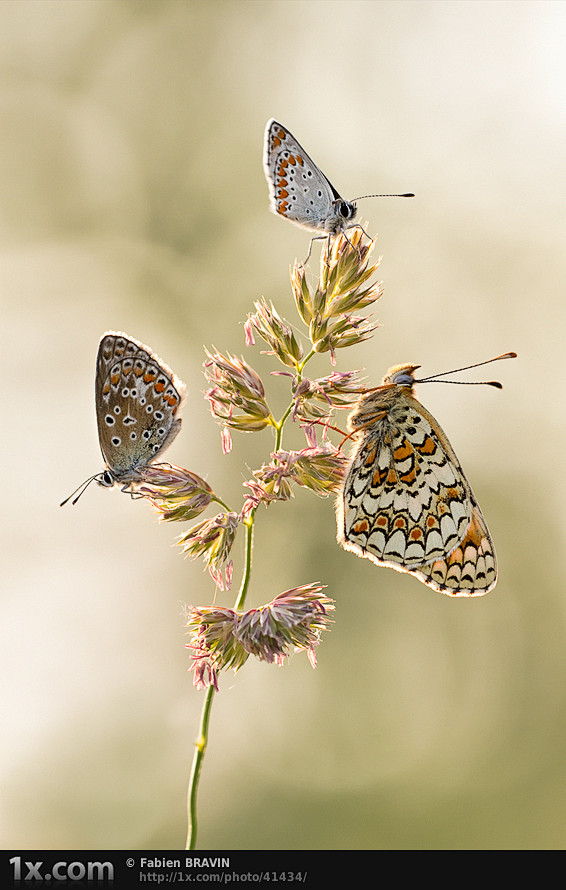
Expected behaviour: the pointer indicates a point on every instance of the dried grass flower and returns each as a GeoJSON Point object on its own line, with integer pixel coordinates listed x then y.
{"type": "Point", "coordinates": [225, 638]}
{"type": "Point", "coordinates": [177, 494]}
{"type": "Point", "coordinates": [213, 539]}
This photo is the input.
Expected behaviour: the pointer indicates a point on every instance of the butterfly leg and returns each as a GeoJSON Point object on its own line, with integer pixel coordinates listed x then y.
{"type": "Point", "coordinates": [316, 238]}
{"type": "Point", "coordinates": [350, 243]}
{"type": "Point", "coordinates": [358, 226]}
{"type": "Point", "coordinates": [127, 489]}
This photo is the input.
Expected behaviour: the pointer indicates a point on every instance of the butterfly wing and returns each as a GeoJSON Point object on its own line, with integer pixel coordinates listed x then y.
{"type": "Point", "coordinates": [470, 570]}
{"type": "Point", "coordinates": [137, 404]}
{"type": "Point", "coordinates": [406, 504]}
{"type": "Point", "coordinates": [298, 189]}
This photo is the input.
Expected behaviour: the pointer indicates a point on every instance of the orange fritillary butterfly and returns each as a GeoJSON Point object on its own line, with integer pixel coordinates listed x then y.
{"type": "Point", "coordinates": [406, 502]}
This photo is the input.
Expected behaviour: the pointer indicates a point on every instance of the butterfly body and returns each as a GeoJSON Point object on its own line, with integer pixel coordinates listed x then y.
{"type": "Point", "coordinates": [299, 190]}
{"type": "Point", "coordinates": [406, 502]}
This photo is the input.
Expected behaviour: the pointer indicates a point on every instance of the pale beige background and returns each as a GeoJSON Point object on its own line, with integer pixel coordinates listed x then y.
{"type": "Point", "coordinates": [132, 197]}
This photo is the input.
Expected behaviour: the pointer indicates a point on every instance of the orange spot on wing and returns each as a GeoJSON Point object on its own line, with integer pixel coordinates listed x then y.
{"type": "Point", "coordinates": [416, 534]}
{"type": "Point", "coordinates": [475, 534]}
{"type": "Point", "coordinates": [403, 451]}
{"type": "Point", "coordinates": [410, 476]}
{"type": "Point", "coordinates": [361, 526]}
{"type": "Point", "coordinates": [370, 458]}
{"type": "Point", "coordinates": [379, 476]}
{"type": "Point", "coordinates": [159, 387]}
{"type": "Point", "coordinates": [428, 446]}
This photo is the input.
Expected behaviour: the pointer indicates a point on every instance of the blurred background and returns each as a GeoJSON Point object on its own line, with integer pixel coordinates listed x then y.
{"type": "Point", "coordinates": [133, 198]}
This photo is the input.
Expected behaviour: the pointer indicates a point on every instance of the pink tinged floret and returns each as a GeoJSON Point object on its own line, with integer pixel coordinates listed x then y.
{"type": "Point", "coordinates": [310, 435]}
{"type": "Point", "coordinates": [249, 332]}
{"type": "Point", "coordinates": [226, 441]}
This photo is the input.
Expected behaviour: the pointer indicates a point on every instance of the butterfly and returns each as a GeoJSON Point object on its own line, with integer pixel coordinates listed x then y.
{"type": "Point", "coordinates": [405, 501]}
{"type": "Point", "coordinates": [138, 400]}
{"type": "Point", "coordinates": [300, 191]}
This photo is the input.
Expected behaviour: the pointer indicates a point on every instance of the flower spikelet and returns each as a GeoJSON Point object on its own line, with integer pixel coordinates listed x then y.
{"type": "Point", "coordinates": [320, 469]}
{"type": "Point", "coordinates": [224, 638]}
{"type": "Point", "coordinates": [237, 396]}
{"type": "Point", "coordinates": [213, 539]}
{"type": "Point", "coordinates": [176, 493]}
{"type": "Point", "coordinates": [316, 398]}
{"type": "Point", "coordinates": [277, 332]}
{"type": "Point", "coordinates": [342, 291]}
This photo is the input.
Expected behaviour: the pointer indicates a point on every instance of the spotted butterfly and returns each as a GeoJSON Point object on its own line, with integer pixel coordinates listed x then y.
{"type": "Point", "coordinates": [406, 502]}
{"type": "Point", "coordinates": [137, 400]}
{"type": "Point", "coordinates": [300, 191]}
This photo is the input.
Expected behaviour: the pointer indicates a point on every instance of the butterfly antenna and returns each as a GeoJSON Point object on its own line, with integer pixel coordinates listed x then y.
{"type": "Point", "coordinates": [467, 368]}
{"type": "Point", "coordinates": [361, 198]}
{"type": "Point", "coordinates": [81, 489]}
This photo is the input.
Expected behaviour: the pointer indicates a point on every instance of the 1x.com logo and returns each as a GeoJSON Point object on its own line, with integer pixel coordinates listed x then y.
{"type": "Point", "coordinates": [61, 871]}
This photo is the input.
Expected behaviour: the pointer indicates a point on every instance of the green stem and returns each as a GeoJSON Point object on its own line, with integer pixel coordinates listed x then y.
{"type": "Point", "coordinates": [202, 740]}
{"type": "Point", "coordinates": [249, 523]}
{"type": "Point", "coordinates": [217, 500]}
{"type": "Point", "coordinates": [303, 363]}
{"type": "Point", "coordinates": [278, 425]}
{"type": "Point", "coordinates": [200, 748]}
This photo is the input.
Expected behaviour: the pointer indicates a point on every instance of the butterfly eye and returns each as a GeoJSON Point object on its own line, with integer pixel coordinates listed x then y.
{"type": "Point", "coordinates": [346, 210]}
{"type": "Point", "coordinates": [403, 379]}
